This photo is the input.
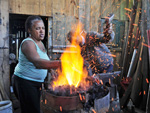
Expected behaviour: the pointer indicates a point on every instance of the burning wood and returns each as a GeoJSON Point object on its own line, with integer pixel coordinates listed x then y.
{"type": "Point", "coordinates": [74, 87]}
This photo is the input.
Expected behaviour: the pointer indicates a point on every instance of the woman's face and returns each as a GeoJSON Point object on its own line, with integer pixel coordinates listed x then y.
{"type": "Point", "coordinates": [38, 30]}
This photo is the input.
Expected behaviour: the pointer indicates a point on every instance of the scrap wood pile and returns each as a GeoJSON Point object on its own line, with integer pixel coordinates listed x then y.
{"type": "Point", "coordinates": [134, 80]}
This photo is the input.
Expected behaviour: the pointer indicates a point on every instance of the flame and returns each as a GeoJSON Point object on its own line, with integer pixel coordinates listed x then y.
{"type": "Point", "coordinates": [127, 9]}
{"type": "Point", "coordinates": [112, 55]}
{"type": "Point", "coordinates": [128, 16]}
{"type": "Point", "coordinates": [45, 101]}
{"type": "Point", "coordinates": [146, 45]}
{"type": "Point", "coordinates": [72, 72]}
{"type": "Point", "coordinates": [83, 97]}
{"type": "Point", "coordinates": [80, 96]}
{"type": "Point", "coordinates": [60, 108]}
{"type": "Point", "coordinates": [147, 80]}
{"type": "Point", "coordinates": [109, 81]}
{"type": "Point", "coordinates": [101, 82]}
{"type": "Point", "coordinates": [144, 92]}
{"type": "Point", "coordinates": [93, 111]}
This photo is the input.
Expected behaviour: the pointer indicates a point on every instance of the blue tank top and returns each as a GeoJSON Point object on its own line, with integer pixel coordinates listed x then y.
{"type": "Point", "coordinates": [26, 69]}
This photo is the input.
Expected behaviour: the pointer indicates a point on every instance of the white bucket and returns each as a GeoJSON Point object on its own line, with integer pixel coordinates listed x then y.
{"type": "Point", "coordinates": [6, 106]}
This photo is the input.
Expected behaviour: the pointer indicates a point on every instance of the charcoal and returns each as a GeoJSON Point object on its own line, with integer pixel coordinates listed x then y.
{"type": "Point", "coordinates": [95, 91]}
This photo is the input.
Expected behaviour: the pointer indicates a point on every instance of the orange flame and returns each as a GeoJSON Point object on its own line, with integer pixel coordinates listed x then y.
{"type": "Point", "coordinates": [109, 81]}
{"type": "Point", "coordinates": [80, 96]}
{"type": "Point", "coordinates": [112, 55]}
{"type": "Point", "coordinates": [127, 9]}
{"type": "Point", "coordinates": [128, 16]}
{"type": "Point", "coordinates": [83, 97]}
{"type": "Point", "coordinates": [147, 80]}
{"type": "Point", "coordinates": [60, 108]}
{"type": "Point", "coordinates": [144, 92]}
{"type": "Point", "coordinates": [93, 111]}
{"type": "Point", "coordinates": [45, 101]}
{"type": "Point", "coordinates": [146, 45]}
{"type": "Point", "coordinates": [101, 82]}
{"type": "Point", "coordinates": [72, 71]}
{"type": "Point", "coordinates": [113, 109]}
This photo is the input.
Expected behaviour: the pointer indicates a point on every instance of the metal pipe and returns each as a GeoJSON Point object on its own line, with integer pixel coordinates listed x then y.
{"type": "Point", "coordinates": [17, 47]}
{"type": "Point", "coordinates": [132, 60]}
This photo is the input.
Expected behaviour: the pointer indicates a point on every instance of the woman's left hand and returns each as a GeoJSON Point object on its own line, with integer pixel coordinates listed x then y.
{"type": "Point", "coordinates": [54, 74]}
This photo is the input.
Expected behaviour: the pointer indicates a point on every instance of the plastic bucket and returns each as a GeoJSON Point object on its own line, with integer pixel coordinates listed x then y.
{"type": "Point", "coordinates": [6, 106]}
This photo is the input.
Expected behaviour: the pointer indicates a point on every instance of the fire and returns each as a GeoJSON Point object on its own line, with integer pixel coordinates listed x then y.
{"type": "Point", "coordinates": [93, 111]}
{"type": "Point", "coordinates": [127, 9]}
{"type": "Point", "coordinates": [60, 108]}
{"type": "Point", "coordinates": [147, 80]}
{"type": "Point", "coordinates": [80, 96]}
{"type": "Point", "coordinates": [72, 72]}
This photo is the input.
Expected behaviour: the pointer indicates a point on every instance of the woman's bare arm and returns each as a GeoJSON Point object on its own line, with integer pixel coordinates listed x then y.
{"type": "Point", "coordinates": [29, 50]}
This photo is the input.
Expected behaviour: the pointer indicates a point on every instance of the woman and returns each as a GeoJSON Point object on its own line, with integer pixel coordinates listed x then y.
{"type": "Point", "coordinates": [31, 69]}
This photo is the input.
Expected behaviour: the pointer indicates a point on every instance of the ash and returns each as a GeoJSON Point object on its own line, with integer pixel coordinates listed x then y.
{"type": "Point", "coordinates": [67, 90]}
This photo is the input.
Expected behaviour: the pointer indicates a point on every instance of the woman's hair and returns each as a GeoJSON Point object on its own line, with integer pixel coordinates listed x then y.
{"type": "Point", "coordinates": [30, 20]}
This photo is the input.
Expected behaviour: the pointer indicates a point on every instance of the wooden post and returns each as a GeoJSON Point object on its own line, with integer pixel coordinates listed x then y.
{"type": "Point", "coordinates": [82, 11]}
{"type": "Point", "coordinates": [4, 50]}
{"type": "Point", "coordinates": [128, 44]}
{"type": "Point", "coordinates": [148, 96]}
{"type": "Point", "coordinates": [87, 15]}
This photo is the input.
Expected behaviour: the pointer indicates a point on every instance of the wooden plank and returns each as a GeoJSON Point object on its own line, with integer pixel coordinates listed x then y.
{"type": "Point", "coordinates": [94, 16]}
{"type": "Point", "coordinates": [36, 7]}
{"type": "Point", "coordinates": [70, 6]}
{"type": "Point", "coordinates": [12, 6]}
{"type": "Point", "coordinates": [145, 65]}
{"type": "Point", "coordinates": [135, 26]}
{"type": "Point", "coordinates": [23, 6]}
{"type": "Point", "coordinates": [49, 7]}
{"type": "Point", "coordinates": [28, 7]}
{"type": "Point", "coordinates": [116, 8]}
{"type": "Point", "coordinates": [128, 44]}
{"type": "Point", "coordinates": [135, 37]}
{"type": "Point", "coordinates": [138, 91]}
{"type": "Point", "coordinates": [59, 23]}
{"type": "Point", "coordinates": [4, 50]}
{"type": "Point", "coordinates": [148, 97]}
{"type": "Point", "coordinates": [103, 8]}
{"type": "Point", "coordinates": [70, 21]}
{"type": "Point", "coordinates": [82, 11]}
{"type": "Point", "coordinates": [17, 6]}
{"type": "Point", "coordinates": [116, 59]}
{"type": "Point", "coordinates": [87, 15]}
{"type": "Point", "coordinates": [42, 7]}
{"type": "Point", "coordinates": [76, 9]}
{"type": "Point", "coordinates": [133, 68]}
{"type": "Point", "coordinates": [58, 7]}
{"type": "Point", "coordinates": [123, 5]}
{"type": "Point", "coordinates": [130, 3]}
{"type": "Point", "coordinates": [110, 6]}
{"type": "Point", "coordinates": [132, 89]}
{"type": "Point", "coordinates": [124, 100]}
